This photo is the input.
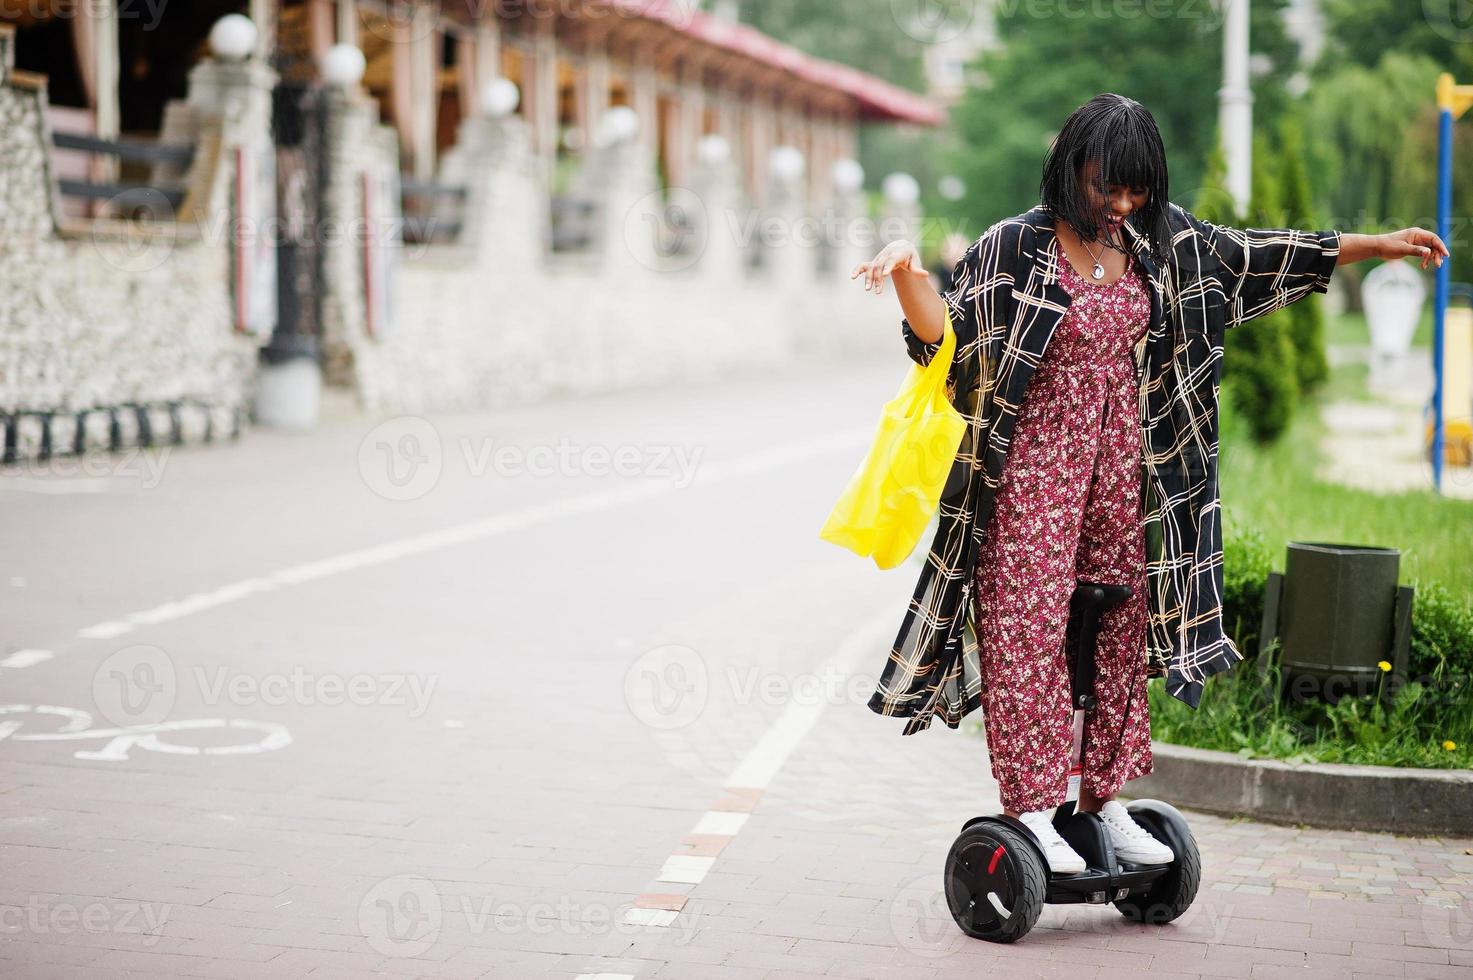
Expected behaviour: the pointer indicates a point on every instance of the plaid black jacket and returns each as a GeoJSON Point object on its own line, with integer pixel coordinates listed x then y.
{"type": "Point", "coordinates": [1005, 301]}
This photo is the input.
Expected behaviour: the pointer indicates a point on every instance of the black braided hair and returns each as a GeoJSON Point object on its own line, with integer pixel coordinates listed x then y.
{"type": "Point", "coordinates": [1121, 134]}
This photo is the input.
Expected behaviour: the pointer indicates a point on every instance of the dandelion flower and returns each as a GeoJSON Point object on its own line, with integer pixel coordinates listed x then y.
{"type": "Point", "coordinates": [1449, 745]}
{"type": "Point", "coordinates": [1384, 665]}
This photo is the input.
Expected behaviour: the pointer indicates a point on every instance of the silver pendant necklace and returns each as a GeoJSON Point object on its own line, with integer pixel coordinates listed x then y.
{"type": "Point", "coordinates": [1099, 270]}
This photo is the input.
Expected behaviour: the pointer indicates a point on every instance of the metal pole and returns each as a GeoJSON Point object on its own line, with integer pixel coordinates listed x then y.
{"type": "Point", "coordinates": [1444, 273]}
{"type": "Point", "coordinates": [1235, 103]}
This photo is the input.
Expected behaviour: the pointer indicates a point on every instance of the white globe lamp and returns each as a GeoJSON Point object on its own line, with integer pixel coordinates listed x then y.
{"type": "Point", "coordinates": [848, 175]}
{"type": "Point", "coordinates": [233, 38]}
{"type": "Point", "coordinates": [343, 65]}
{"type": "Point", "coordinates": [901, 189]}
{"type": "Point", "coordinates": [786, 162]}
{"type": "Point", "coordinates": [499, 97]}
{"type": "Point", "coordinates": [713, 149]}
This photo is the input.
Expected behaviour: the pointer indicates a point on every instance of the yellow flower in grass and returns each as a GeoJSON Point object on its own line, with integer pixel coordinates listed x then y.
{"type": "Point", "coordinates": [1384, 665]}
{"type": "Point", "coordinates": [1449, 745]}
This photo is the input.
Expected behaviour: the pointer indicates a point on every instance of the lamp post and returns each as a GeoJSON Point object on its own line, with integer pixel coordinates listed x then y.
{"type": "Point", "coordinates": [1235, 103]}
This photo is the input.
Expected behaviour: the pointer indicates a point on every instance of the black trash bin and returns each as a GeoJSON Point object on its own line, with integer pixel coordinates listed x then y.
{"type": "Point", "coordinates": [1338, 611]}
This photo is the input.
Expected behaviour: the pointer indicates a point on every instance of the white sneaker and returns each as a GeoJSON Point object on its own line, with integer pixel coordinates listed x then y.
{"type": "Point", "coordinates": [1062, 859]}
{"type": "Point", "coordinates": [1132, 842]}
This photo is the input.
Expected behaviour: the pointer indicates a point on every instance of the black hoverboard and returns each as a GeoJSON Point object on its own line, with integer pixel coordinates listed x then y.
{"type": "Point", "coordinates": [996, 876]}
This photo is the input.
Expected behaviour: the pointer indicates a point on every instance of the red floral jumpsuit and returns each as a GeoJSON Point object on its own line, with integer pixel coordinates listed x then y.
{"type": "Point", "coordinates": [1067, 510]}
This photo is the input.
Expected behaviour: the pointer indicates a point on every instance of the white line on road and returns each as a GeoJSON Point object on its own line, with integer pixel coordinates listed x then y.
{"type": "Point", "coordinates": [73, 485]}
{"type": "Point", "coordinates": [747, 782]}
{"type": "Point", "coordinates": [685, 868]}
{"type": "Point", "coordinates": [710, 473]}
{"type": "Point", "coordinates": [720, 822]}
{"type": "Point", "coordinates": [26, 658]}
{"type": "Point", "coordinates": [768, 755]}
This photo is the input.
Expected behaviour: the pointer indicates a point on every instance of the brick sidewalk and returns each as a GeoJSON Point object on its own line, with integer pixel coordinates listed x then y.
{"type": "Point", "coordinates": [536, 821]}
{"type": "Point", "coordinates": [837, 872]}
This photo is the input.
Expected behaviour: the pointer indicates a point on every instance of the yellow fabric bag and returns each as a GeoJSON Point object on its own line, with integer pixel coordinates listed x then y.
{"type": "Point", "coordinates": [893, 494]}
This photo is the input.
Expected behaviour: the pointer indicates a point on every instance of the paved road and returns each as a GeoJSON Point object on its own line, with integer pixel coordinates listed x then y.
{"type": "Point", "coordinates": [562, 692]}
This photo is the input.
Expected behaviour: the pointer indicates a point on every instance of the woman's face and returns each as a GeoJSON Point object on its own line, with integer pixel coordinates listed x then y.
{"type": "Point", "coordinates": [1116, 204]}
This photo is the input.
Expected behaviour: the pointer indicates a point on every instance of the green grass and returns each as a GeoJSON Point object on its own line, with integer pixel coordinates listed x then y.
{"type": "Point", "coordinates": [1238, 714]}
{"type": "Point", "coordinates": [1270, 496]}
{"type": "Point", "coordinates": [1351, 328]}
{"type": "Point", "coordinates": [1274, 489]}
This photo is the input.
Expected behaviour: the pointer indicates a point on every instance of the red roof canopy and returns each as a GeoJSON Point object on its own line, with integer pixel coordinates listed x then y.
{"type": "Point", "coordinates": [877, 99]}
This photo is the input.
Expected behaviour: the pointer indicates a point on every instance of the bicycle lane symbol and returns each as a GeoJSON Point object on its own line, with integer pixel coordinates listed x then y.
{"type": "Point", "coordinates": [77, 726]}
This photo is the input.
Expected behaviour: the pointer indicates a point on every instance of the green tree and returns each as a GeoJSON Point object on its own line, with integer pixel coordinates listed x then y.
{"type": "Point", "coordinates": [1357, 120]}
{"type": "Point", "coordinates": [862, 33]}
{"type": "Point", "coordinates": [1306, 317]}
{"type": "Point", "coordinates": [866, 34]}
{"type": "Point", "coordinates": [1045, 67]}
{"type": "Point", "coordinates": [1361, 31]}
{"type": "Point", "coordinates": [1258, 357]}
{"type": "Point", "coordinates": [1212, 201]}
{"type": "Point", "coordinates": [1371, 137]}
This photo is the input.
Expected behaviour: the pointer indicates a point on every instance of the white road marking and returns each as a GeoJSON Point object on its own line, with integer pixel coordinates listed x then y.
{"type": "Point", "coordinates": [710, 473]}
{"type": "Point", "coordinates": [96, 484]}
{"type": "Point", "coordinates": [271, 736]}
{"type": "Point", "coordinates": [756, 771]}
{"type": "Point", "coordinates": [105, 631]}
{"type": "Point", "coordinates": [650, 917]}
{"type": "Point", "coordinates": [685, 868]}
{"type": "Point", "coordinates": [26, 658]}
{"type": "Point", "coordinates": [768, 755]}
{"type": "Point", "coordinates": [720, 822]}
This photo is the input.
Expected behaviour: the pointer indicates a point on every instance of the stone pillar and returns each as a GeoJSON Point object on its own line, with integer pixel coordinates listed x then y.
{"type": "Point", "coordinates": [645, 103]}
{"type": "Point", "coordinates": [234, 100]}
{"type": "Point", "coordinates": [692, 117]}
{"type": "Point", "coordinates": [728, 124]}
{"type": "Point", "coordinates": [763, 131]}
{"type": "Point", "coordinates": [488, 49]}
{"type": "Point", "coordinates": [854, 232]}
{"type": "Point", "coordinates": [789, 256]}
{"type": "Point", "coordinates": [717, 185]}
{"type": "Point", "coordinates": [671, 136]}
{"type": "Point", "coordinates": [544, 115]}
{"type": "Point", "coordinates": [230, 101]}
{"type": "Point", "coordinates": [470, 81]}
{"type": "Point", "coordinates": [320, 28]}
{"type": "Point", "coordinates": [348, 22]}
{"type": "Point", "coordinates": [506, 208]}
{"type": "Point", "coordinates": [821, 142]}
{"type": "Point", "coordinates": [29, 210]}
{"type": "Point", "coordinates": [266, 14]}
{"type": "Point", "coordinates": [363, 173]}
{"type": "Point", "coordinates": [900, 218]}
{"type": "Point", "coordinates": [848, 138]}
{"type": "Point", "coordinates": [623, 177]}
{"type": "Point", "coordinates": [425, 60]}
{"type": "Point", "coordinates": [106, 70]}
{"type": "Point", "coordinates": [593, 100]}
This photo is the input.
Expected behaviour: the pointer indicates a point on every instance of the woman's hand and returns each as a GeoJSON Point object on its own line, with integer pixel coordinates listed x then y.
{"type": "Point", "coordinates": [1416, 242]}
{"type": "Point", "coordinates": [898, 256]}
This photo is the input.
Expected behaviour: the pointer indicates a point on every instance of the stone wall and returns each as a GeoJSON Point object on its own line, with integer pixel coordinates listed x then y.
{"type": "Point", "coordinates": [497, 319]}
{"type": "Point", "coordinates": [119, 333]}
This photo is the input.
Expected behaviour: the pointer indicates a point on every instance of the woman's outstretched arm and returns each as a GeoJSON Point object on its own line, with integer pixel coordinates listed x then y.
{"type": "Point", "coordinates": [1413, 242]}
{"type": "Point", "coordinates": [1261, 270]}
